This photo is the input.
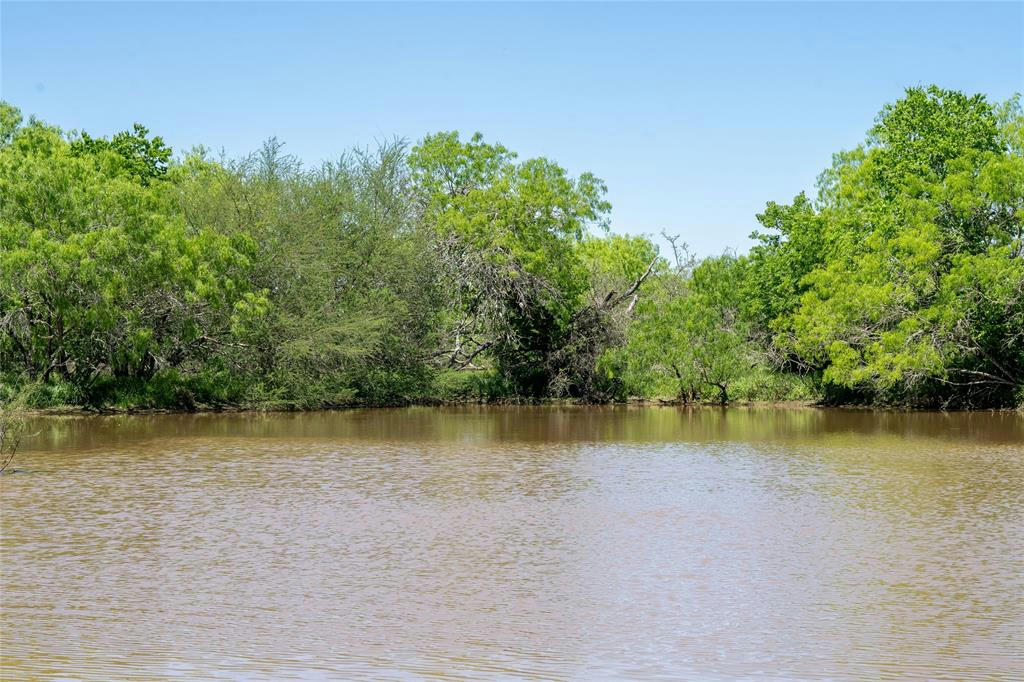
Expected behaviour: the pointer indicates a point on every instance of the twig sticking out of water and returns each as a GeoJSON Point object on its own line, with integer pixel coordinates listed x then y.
{"type": "Point", "coordinates": [12, 427]}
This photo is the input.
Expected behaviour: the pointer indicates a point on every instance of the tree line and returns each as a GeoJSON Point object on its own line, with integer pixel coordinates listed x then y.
{"type": "Point", "coordinates": [454, 270]}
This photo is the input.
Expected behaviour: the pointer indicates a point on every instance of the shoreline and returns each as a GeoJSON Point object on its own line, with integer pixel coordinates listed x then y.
{"type": "Point", "coordinates": [78, 411]}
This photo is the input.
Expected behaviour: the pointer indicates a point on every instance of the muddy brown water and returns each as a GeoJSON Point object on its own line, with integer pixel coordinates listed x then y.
{"type": "Point", "coordinates": [498, 543]}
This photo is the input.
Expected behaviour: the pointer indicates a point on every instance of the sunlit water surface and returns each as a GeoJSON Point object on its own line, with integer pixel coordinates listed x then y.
{"type": "Point", "coordinates": [548, 543]}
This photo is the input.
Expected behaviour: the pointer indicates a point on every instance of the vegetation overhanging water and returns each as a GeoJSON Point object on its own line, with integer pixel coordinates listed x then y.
{"type": "Point", "coordinates": [451, 270]}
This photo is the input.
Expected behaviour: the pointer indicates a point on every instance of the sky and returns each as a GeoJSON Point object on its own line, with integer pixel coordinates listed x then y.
{"type": "Point", "coordinates": [694, 114]}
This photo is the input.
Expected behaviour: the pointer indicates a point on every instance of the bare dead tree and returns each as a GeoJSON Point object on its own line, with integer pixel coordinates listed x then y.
{"type": "Point", "coordinates": [683, 259]}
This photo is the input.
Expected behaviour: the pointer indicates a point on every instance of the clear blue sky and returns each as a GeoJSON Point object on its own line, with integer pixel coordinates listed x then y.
{"type": "Point", "coordinates": [694, 114]}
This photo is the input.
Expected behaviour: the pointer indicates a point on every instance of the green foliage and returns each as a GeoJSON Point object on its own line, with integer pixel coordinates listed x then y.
{"type": "Point", "coordinates": [456, 271]}
{"type": "Point", "coordinates": [144, 159]}
{"type": "Point", "coordinates": [761, 383]}
{"type": "Point", "coordinates": [486, 386]}
{"type": "Point", "coordinates": [509, 243]}
{"type": "Point", "coordinates": [350, 281]}
{"type": "Point", "coordinates": [615, 261]}
{"type": "Point", "coordinates": [100, 278]}
{"type": "Point", "coordinates": [10, 121]}
{"type": "Point", "coordinates": [904, 283]}
{"type": "Point", "coordinates": [690, 334]}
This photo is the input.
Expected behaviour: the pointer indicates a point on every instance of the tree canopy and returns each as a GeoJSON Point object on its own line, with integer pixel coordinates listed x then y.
{"type": "Point", "coordinates": [453, 269]}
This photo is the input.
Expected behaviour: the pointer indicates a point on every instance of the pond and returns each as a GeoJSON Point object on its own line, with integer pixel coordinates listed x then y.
{"type": "Point", "coordinates": [516, 542]}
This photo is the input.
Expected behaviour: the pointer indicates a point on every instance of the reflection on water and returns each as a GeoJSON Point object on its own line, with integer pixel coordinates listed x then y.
{"type": "Point", "coordinates": [575, 543]}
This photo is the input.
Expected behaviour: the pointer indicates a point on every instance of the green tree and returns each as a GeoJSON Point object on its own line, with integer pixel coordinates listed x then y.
{"type": "Point", "coordinates": [508, 236]}
{"type": "Point", "coordinates": [346, 265]}
{"type": "Point", "coordinates": [690, 333]}
{"type": "Point", "coordinates": [140, 156]}
{"type": "Point", "coordinates": [881, 287]}
{"type": "Point", "coordinates": [101, 281]}
{"type": "Point", "coordinates": [127, 276]}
